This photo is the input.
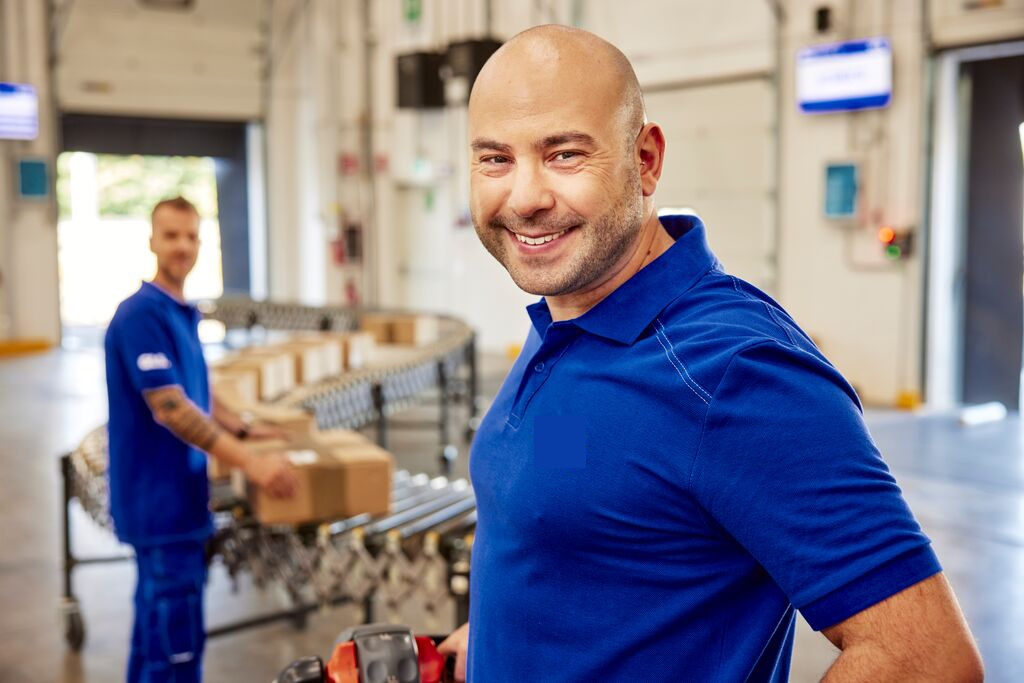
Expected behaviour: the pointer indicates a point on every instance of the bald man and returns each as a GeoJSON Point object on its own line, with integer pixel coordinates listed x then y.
{"type": "Point", "coordinates": [671, 468]}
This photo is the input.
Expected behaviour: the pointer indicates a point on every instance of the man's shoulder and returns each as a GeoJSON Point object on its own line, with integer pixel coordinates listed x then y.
{"type": "Point", "coordinates": [725, 310]}
{"type": "Point", "coordinates": [722, 316]}
{"type": "Point", "coordinates": [132, 311]}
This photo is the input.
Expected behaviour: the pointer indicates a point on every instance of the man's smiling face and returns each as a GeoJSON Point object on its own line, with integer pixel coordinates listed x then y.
{"type": "Point", "coordinates": [554, 192]}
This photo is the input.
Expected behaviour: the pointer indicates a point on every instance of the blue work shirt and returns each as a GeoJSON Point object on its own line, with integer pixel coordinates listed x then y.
{"type": "Point", "coordinates": [159, 489]}
{"type": "Point", "coordinates": [662, 481]}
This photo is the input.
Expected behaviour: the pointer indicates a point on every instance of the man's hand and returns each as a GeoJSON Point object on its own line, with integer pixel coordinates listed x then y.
{"type": "Point", "coordinates": [457, 644]}
{"type": "Point", "coordinates": [273, 473]}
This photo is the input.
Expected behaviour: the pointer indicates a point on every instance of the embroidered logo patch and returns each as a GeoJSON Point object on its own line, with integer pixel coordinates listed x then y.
{"type": "Point", "coordinates": [153, 361]}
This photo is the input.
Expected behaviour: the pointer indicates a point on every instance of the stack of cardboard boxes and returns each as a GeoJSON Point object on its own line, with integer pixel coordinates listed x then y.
{"type": "Point", "coordinates": [339, 476]}
{"type": "Point", "coordinates": [341, 472]}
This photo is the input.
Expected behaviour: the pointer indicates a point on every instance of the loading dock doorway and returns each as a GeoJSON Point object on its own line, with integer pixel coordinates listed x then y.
{"type": "Point", "coordinates": [975, 340]}
{"type": "Point", "coordinates": [122, 164]}
{"type": "Point", "coordinates": [103, 232]}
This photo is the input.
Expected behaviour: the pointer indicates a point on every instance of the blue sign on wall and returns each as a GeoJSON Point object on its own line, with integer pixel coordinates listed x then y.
{"type": "Point", "coordinates": [33, 179]}
{"type": "Point", "coordinates": [844, 76]}
{"type": "Point", "coordinates": [841, 190]}
{"type": "Point", "coordinates": [19, 111]}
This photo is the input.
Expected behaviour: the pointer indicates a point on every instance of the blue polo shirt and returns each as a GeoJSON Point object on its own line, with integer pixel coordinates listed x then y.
{"type": "Point", "coordinates": [664, 480]}
{"type": "Point", "coordinates": [159, 490]}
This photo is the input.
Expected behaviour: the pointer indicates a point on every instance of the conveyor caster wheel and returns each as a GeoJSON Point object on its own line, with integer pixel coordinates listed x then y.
{"type": "Point", "coordinates": [74, 628]}
{"type": "Point", "coordinates": [449, 454]}
{"type": "Point", "coordinates": [471, 427]}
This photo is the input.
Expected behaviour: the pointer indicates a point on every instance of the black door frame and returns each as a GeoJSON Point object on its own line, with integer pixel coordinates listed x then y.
{"type": "Point", "coordinates": [225, 141]}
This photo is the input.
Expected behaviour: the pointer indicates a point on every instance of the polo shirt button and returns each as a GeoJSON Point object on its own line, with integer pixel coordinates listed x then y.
{"type": "Point", "coordinates": [539, 367]}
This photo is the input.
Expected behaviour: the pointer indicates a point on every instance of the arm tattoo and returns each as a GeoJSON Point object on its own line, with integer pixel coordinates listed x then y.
{"type": "Point", "coordinates": [173, 410]}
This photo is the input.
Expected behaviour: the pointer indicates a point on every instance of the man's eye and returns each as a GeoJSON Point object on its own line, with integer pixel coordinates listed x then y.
{"type": "Point", "coordinates": [566, 156]}
{"type": "Point", "coordinates": [495, 160]}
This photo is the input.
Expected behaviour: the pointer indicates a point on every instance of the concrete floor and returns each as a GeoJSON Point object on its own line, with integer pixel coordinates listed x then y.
{"type": "Point", "coordinates": [966, 487]}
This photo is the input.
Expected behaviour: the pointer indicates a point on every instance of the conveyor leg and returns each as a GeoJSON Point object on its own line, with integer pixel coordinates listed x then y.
{"type": "Point", "coordinates": [472, 389]}
{"type": "Point", "coordinates": [448, 451]}
{"type": "Point", "coordinates": [382, 420]}
{"type": "Point", "coordinates": [74, 626]}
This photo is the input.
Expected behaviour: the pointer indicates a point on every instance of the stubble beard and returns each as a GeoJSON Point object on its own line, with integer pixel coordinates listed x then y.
{"type": "Point", "coordinates": [173, 272]}
{"type": "Point", "coordinates": [603, 243]}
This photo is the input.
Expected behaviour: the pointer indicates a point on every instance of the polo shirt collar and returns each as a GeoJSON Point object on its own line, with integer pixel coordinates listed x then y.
{"type": "Point", "coordinates": [157, 292]}
{"type": "Point", "coordinates": [625, 313]}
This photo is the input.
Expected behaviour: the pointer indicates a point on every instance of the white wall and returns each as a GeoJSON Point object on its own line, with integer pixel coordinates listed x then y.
{"type": "Point", "coordinates": [436, 261]}
{"type": "Point", "coordinates": [29, 307]}
{"type": "Point", "coordinates": [298, 127]}
{"type": "Point", "coordinates": [959, 23]}
{"type": "Point", "coordinates": [865, 311]}
{"type": "Point", "coordinates": [119, 57]}
{"type": "Point", "coordinates": [708, 70]}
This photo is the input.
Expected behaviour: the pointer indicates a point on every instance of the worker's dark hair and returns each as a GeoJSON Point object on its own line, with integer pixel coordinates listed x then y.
{"type": "Point", "coordinates": [179, 203]}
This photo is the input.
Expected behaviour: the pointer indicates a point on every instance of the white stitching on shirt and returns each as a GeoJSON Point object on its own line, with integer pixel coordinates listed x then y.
{"type": "Point", "coordinates": [657, 335]}
{"type": "Point", "coordinates": [768, 307]}
{"type": "Point", "coordinates": [664, 333]}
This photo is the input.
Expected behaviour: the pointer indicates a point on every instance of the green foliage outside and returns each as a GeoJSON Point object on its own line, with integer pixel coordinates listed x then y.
{"type": "Point", "coordinates": [129, 186]}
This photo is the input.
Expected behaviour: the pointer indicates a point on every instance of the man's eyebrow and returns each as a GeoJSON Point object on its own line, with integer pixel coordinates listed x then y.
{"type": "Point", "coordinates": [482, 144]}
{"type": "Point", "coordinates": [569, 136]}
{"type": "Point", "coordinates": [574, 136]}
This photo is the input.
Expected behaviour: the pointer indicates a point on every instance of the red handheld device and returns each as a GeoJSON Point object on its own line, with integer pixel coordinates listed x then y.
{"type": "Point", "coordinates": [380, 653]}
{"type": "Point", "coordinates": [376, 653]}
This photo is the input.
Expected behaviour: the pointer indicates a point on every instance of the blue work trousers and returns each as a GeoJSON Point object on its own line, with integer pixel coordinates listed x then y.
{"type": "Point", "coordinates": [169, 633]}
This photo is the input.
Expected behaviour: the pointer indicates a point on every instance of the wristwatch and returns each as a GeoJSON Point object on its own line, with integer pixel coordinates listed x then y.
{"type": "Point", "coordinates": [242, 432]}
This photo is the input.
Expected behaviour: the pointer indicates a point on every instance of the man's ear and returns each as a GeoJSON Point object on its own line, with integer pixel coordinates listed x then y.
{"type": "Point", "coordinates": [650, 156]}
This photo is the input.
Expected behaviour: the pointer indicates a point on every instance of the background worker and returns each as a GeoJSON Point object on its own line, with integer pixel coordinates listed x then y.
{"type": "Point", "coordinates": [160, 432]}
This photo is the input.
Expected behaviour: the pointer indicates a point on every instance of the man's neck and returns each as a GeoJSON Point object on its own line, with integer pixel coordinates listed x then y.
{"type": "Point", "coordinates": [176, 288]}
{"type": "Point", "coordinates": [653, 242]}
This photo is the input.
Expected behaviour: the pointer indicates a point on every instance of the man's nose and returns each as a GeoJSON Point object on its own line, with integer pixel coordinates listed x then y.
{"type": "Point", "coordinates": [530, 192]}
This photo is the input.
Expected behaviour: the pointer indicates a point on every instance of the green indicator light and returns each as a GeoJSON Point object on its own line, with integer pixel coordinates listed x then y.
{"type": "Point", "coordinates": [893, 252]}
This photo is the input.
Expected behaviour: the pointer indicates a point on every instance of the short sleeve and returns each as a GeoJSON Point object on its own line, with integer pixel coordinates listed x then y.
{"type": "Point", "coordinates": [787, 468]}
{"type": "Point", "coordinates": [147, 351]}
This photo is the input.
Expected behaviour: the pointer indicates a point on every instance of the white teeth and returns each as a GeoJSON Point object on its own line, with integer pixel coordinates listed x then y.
{"type": "Point", "coordinates": [540, 240]}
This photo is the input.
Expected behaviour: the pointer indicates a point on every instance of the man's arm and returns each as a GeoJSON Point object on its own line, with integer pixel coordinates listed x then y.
{"type": "Point", "coordinates": [918, 634]}
{"type": "Point", "coordinates": [225, 417]}
{"type": "Point", "coordinates": [172, 409]}
{"type": "Point", "coordinates": [234, 423]}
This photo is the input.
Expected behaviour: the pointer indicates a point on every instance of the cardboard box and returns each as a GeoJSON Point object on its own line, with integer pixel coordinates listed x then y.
{"type": "Point", "coordinates": [274, 371]}
{"type": "Point", "coordinates": [355, 347]}
{"type": "Point", "coordinates": [414, 330]}
{"type": "Point", "coordinates": [239, 485]}
{"type": "Point", "coordinates": [329, 438]}
{"type": "Point", "coordinates": [309, 361]}
{"type": "Point", "coordinates": [299, 424]}
{"type": "Point", "coordinates": [387, 355]}
{"type": "Point", "coordinates": [332, 352]}
{"type": "Point", "coordinates": [263, 374]}
{"type": "Point", "coordinates": [334, 483]}
{"type": "Point", "coordinates": [236, 385]}
{"type": "Point", "coordinates": [358, 346]}
{"type": "Point", "coordinates": [410, 329]}
{"type": "Point", "coordinates": [378, 325]}
{"type": "Point", "coordinates": [282, 363]}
